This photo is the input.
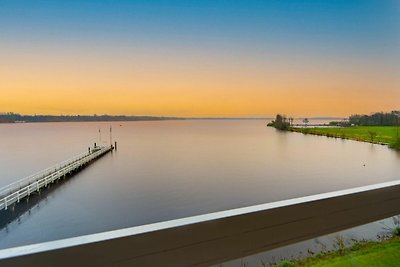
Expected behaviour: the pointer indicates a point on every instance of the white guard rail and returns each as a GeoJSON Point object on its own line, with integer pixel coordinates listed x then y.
{"type": "Point", "coordinates": [216, 237]}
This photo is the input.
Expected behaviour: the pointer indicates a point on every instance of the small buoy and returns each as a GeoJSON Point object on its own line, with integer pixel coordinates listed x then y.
{"type": "Point", "coordinates": [364, 165]}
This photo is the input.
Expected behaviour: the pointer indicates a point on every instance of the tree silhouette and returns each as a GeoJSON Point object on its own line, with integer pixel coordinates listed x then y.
{"type": "Point", "coordinates": [281, 122]}
{"type": "Point", "coordinates": [305, 121]}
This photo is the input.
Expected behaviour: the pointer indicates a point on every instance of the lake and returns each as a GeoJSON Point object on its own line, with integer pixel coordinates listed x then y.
{"type": "Point", "coordinates": [165, 170]}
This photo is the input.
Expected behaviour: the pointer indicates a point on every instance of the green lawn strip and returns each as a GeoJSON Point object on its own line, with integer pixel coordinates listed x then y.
{"type": "Point", "coordinates": [384, 134]}
{"type": "Point", "coordinates": [374, 254]}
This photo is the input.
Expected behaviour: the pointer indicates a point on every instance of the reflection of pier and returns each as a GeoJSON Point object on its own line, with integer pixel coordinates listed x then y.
{"type": "Point", "coordinates": [30, 185]}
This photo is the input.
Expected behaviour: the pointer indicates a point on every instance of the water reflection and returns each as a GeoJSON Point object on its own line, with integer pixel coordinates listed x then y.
{"type": "Point", "coordinates": [165, 170]}
{"type": "Point", "coordinates": [376, 231]}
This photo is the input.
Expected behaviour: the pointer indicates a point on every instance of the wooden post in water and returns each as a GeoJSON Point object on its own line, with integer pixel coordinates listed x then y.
{"type": "Point", "coordinates": [115, 145]}
{"type": "Point", "coordinates": [110, 136]}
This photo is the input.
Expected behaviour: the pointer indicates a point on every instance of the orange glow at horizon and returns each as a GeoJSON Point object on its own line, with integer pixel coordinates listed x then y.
{"type": "Point", "coordinates": [165, 84]}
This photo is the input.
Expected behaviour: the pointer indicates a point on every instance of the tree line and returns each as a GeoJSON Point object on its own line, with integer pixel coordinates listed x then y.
{"type": "Point", "coordinates": [11, 117]}
{"type": "Point", "coordinates": [377, 119]}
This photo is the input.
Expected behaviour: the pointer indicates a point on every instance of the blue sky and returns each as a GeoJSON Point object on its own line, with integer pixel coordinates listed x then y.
{"type": "Point", "coordinates": [363, 24]}
{"type": "Point", "coordinates": [335, 35]}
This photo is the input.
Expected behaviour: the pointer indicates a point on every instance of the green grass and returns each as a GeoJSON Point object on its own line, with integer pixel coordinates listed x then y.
{"type": "Point", "coordinates": [384, 134]}
{"type": "Point", "coordinates": [373, 254]}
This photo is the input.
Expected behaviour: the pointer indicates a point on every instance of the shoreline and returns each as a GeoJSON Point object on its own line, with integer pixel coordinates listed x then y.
{"type": "Point", "coordinates": [372, 252]}
{"type": "Point", "coordinates": [378, 135]}
{"type": "Point", "coordinates": [336, 136]}
{"type": "Point", "coordinates": [375, 253]}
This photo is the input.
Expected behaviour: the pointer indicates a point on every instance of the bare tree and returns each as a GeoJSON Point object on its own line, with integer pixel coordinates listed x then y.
{"type": "Point", "coordinates": [305, 121]}
{"type": "Point", "coordinates": [291, 121]}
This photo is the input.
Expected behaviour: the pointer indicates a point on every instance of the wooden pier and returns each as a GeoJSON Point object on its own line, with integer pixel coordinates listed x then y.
{"type": "Point", "coordinates": [15, 192]}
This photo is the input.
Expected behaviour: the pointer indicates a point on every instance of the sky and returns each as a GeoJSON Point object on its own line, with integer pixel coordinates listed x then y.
{"type": "Point", "coordinates": [220, 58]}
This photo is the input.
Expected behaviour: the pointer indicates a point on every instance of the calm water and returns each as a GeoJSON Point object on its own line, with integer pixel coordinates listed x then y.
{"type": "Point", "coordinates": [171, 169]}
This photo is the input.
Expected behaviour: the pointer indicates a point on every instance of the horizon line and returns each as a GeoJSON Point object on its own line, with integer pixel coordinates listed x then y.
{"type": "Point", "coordinates": [163, 116]}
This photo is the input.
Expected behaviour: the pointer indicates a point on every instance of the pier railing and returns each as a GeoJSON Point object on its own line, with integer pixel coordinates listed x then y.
{"type": "Point", "coordinates": [217, 237]}
{"type": "Point", "coordinates": [22, 188]}
{"type": "Point", "coordinates": [36, 176]}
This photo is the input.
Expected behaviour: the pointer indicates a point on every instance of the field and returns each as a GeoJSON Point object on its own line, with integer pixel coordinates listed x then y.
{"type": "Point", "coordinates": [373, 254]}
{"type": "Point", "coordinates": [374, 134]}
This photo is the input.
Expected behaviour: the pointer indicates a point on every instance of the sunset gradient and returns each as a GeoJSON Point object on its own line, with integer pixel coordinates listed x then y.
{"type": "Point", "coordinates": [200, 58]}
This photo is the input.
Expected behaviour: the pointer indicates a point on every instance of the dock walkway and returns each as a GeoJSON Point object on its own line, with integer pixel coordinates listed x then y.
{"type": "Point", "coordinates": [13, 193]}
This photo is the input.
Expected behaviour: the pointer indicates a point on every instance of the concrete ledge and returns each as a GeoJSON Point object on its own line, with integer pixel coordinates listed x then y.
{"type": "Point", "coordinates": [217, 237]}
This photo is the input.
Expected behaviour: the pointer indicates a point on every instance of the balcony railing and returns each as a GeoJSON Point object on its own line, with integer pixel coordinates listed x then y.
{"type": "Point", "coordinates": [217, 237]}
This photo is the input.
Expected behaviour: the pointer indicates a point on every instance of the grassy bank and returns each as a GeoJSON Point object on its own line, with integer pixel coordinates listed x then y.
{"type": "Point", "coordinates": [374, 254]}
{"type": "Point", "coordinates": [373, 134]}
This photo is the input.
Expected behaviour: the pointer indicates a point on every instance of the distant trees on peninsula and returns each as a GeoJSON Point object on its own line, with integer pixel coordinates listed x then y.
{"type": "Point", "coordinates": [376, 119]}
{"type": "Point", "coordinates": [281, 122]}
{"type": "Point", "coordinates": [392, 118]}
{"type": "Point", "coordinates": [362, 128]}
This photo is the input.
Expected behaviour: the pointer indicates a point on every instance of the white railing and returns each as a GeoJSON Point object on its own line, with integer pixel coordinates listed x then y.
{"type": "Point", "coordinates": [216, 237]}
{"type": "Point", "coordinates": [36, 176]}
{"type": "Point", "coordinates": [16, 191]}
